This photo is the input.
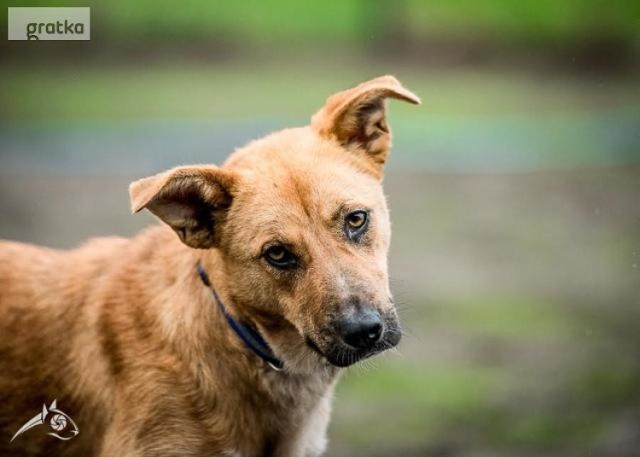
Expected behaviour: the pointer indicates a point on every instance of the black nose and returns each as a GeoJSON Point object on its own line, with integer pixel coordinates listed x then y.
{"type": "Point", "coordinates": [361, 330]}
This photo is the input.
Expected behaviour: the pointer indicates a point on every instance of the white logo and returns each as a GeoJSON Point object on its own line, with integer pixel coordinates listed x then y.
{"type": "Point", "coordinates": [58, 422]}
{"type": "Point", "coordinates": [49, 23]}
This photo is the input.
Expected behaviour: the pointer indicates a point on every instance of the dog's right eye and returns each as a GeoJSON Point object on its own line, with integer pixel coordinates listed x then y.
{"type": "Point", "coordinates": [279, 257]}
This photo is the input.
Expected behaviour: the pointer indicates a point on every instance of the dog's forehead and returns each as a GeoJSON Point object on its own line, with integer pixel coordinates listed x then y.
{"type": "Point", "coordinates": [295, 171]}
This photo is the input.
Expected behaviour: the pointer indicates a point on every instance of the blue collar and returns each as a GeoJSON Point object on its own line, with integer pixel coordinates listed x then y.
{"type": "Point", "coordinates": [249, 336]}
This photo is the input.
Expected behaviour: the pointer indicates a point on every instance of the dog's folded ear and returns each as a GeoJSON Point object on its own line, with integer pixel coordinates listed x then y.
{"type": "Point", "coordinates": [356, 117]}
{"type": "Point", "coordinates": [192, 200]}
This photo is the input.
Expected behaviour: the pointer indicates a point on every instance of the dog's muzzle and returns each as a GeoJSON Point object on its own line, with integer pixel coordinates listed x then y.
{"type": "Point", "coordinates": [359, 336]}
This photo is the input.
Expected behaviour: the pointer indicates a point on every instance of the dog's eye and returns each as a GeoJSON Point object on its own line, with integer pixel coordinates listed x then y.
{"type": "Point", "coordinates": [356, 219]}
{"type": "Point", "coordinates": [356, 224]}
{"type": "Point", "coordinates": [279, 257]}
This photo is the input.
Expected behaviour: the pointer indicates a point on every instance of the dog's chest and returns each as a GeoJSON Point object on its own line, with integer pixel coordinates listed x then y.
{"type": "Point", "coordinates": [292, 422]}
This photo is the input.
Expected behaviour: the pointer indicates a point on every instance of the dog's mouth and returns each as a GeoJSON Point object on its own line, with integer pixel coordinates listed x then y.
{"type": "Point", "coordinates": [342, 355]}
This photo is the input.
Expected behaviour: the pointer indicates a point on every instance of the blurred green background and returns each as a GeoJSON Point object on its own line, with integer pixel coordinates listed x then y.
{"type": "Point", "coordinates": [514, 188]}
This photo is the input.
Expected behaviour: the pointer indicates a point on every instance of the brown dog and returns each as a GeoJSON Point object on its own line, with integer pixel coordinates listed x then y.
{"type": "Point", "coordinates": [228, 341]}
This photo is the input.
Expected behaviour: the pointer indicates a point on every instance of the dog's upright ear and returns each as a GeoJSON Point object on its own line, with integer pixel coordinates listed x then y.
{"type": "Point", "coordinates": [356, 117]}
{"type": "Point", "coordinates": [192, 200]}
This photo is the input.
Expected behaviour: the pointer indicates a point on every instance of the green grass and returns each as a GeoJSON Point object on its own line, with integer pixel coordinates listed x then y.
{"type": "Point", "coordinates": [287, 21]}
{"type": "Point", "coordinates": [452, 390]}
{"type": "Point", "coordinates": [468, 119]}
{"type": "Point", "coordinates": [538, 432]}
{"type": "Point", "coordinates": [425, 402]}
{"type": "Point", "coordinates": [510, 119]}
{"type": "Point", "coordinates": [610, 385]}
{"type": "Point", "coordinates": [590, 397]}
{"type": "Point", "coordinates": [525, 20]}
{"type": "Point", "coordinates": [417, 402]}
{"type": "Point", "coordinates": [195, 91]}
{"type": "Point", "coordinates": [514, 317]}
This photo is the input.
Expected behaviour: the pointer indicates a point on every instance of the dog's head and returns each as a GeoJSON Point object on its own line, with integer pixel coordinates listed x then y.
{"type": "Point", "coordinates": [297, 227]}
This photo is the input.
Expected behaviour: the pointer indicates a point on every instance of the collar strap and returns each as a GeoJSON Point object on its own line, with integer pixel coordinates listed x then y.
{"type": "Point", "coordinates": [249, 336]}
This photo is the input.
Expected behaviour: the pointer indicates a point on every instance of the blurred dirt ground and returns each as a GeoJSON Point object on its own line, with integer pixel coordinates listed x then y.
{"type": "Point", "coordinates": [520, 296]}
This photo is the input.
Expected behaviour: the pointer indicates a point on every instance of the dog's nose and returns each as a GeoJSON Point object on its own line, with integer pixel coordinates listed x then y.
{"type": "Point", "coordinates": [361, 330]}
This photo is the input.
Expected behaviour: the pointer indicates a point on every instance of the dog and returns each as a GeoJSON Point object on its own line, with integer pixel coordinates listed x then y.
{"type": "Point", "coordinates": [227, 339]}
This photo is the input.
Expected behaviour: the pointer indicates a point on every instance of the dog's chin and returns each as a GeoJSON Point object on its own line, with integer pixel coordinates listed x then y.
{"type": "Point", "coordinates": [342, 355]}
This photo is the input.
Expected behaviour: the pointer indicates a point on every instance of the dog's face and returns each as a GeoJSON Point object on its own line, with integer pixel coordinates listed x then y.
{"type": "Point", "coordinates": [297, 225]}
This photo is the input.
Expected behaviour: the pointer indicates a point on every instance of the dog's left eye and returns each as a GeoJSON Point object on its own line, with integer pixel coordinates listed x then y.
{"type": "Point", "coordinates": [356, 224]}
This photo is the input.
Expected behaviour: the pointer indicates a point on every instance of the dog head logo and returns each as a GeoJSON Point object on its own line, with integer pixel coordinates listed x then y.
{"type": "Point", "coordinates": [64, 428]}
{"type": "Point", "coordinates": [296, 226]}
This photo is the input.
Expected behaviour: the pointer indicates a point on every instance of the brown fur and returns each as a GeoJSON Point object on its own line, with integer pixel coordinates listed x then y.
{"type": "Point", "coordinates": [128, 340]}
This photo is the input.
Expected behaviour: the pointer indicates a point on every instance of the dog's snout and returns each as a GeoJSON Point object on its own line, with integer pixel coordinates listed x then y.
{"type": "Point", "coordinates": [361, 330]}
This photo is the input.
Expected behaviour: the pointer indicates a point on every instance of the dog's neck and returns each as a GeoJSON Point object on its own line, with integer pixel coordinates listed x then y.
{"type": "Point", "coordinates": [246, 332]}
{"type": "Point", "coordinates": [190, 314]}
